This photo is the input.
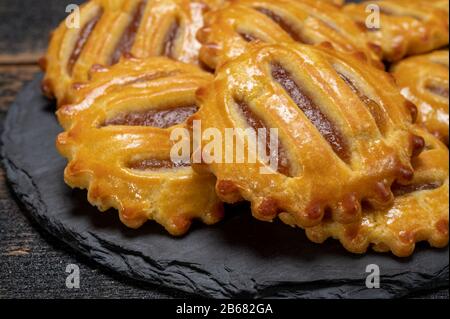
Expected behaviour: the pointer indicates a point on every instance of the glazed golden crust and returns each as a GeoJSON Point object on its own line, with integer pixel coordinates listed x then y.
{"type": "Point", "coordinates": [441, 4]}
{"type": "Point", "coordinates": [406, 27]}
{"type": "Point", "coordinates": [416, 215]}
{"type": "Point", "coordinates": [424, 81]}
{"type": "Point", "coordinates": [228, 31]}
{"type": "Point", "coordinates": [342, 144]}
{"type": "Point", "coordinates": [336, 2]}
{"type": "Point", "coordinates": [111, 28]}
{"type": "Point", "coordinates": [128, 166]}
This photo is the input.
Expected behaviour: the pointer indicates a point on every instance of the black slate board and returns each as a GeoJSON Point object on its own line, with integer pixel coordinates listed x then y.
{"type": "Point", "coordinates": [240, 257]}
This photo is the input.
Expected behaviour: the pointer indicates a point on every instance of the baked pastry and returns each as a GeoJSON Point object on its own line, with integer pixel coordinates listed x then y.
{"type": "Point", "coordinates": [441, 4]}
{"type": "Point", "coordinates": [419, 213]}
{"type": "Point", "coordinates": [406, 27]}
{"type": "Point", "coordinates": [336, 2]}
{"type": "Point", "coordinates": [424, 81]}
{"type": "Point", "coordinates": [111, 28]}
{"type": "Point", "coordinates": [118, 143]}
{"type": "Point", "coordinates": [344, 133]}
{"type": "Point", "coordinates": [228, 31]}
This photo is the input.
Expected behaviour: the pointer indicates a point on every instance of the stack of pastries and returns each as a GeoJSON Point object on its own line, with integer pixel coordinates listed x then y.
{"type": "Point", "coordinates": [361, 113]}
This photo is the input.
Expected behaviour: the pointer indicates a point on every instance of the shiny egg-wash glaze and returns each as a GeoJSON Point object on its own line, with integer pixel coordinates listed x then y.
{"type": "Point", "coordinates": [117, 141]}
{"type": "Point", "coordinates": [424, 81]}
{"type": "Point", "coordinates": [228, 30]}
{"type": "Point", "coordinates": [110, 29]}
{"type": "Point", "coordinates": [419, 212]}
{"type": "Point", "coordinates": [342, 144]}
{"type": "Point", "coordinates": [407, 27]}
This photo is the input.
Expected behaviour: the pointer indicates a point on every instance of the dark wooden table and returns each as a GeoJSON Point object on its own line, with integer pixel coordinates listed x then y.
{"type": "Point", "coordinates": [32, 262]}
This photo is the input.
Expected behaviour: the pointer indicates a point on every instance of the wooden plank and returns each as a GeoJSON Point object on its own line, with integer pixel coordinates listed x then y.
{"type": "Point", "coordinates": [21, 58]}
{"type": "Point", "coordinates": [12, 78]}
{"type": "Point", "coordinates": [33, 265]}
{"type": "Point", "coordinates": [25, 27]}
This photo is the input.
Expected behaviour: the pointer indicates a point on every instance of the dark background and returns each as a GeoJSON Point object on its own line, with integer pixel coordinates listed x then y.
{"type": "Point", "coordinates": [32, 262]}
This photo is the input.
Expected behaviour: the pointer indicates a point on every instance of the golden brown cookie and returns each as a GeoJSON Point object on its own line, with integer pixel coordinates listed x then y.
{"type": "Point", "coordinates": [228, 31]}
{"type": "Point", "coordinates": [344, 133]}
{"type": "Point", "coordinates": [406, 27]}
{"type": "Point", "coordinates": [111, 28]}
{"type": "Point", "coordinates": [424, 81]}
{"type": "Point", "coordinates": [419, 212]}
{"type": "Point", "coordinates": [118, 143]}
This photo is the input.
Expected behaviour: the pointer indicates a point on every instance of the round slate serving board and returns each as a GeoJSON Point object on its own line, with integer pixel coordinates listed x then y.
{"type": "Point", "coordinates": [239, 257]}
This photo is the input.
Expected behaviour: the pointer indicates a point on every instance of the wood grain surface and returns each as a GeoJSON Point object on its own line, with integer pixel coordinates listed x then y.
{"type": "Point", "coordinates": [33, 263]}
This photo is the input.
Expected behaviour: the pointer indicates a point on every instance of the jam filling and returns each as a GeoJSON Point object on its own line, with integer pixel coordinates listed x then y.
{"type": "Point", "coordinates": [169, 41]}
{"type": "Point", "coordinates": [374, 107]}
{"type": "Point", "coordinates": [286, 26]}
{"type": "Point", "coordinates": [156, 164]}
{"type": "Point", "coordinates": [126, 41]}
{"type": "Point", "coordinates": [256, 123]}
{"type": "Point", "coordinates": [154, 118]}
{"type": "Point", "coordinates": [81, 41]}
{"type": "Point", "coordinates": [247, 37]}
{"type": "Point", "coordinates": [401, 190]}
{"type": "Point", "coordinates": [324, 125]}
{"type": "Point", "coordinates": [438, 90]}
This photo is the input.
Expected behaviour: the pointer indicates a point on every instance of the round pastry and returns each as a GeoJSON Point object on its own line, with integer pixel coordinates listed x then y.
{"type": "Point", "coordinates": [404, 27]}
{"type": "Point", "coordinates": [424, 81]}
{"type": "Point", "coordinates": [228, 30]}
{"type": "Point", "coordinates": [110, 28]}
{"type": "Point", "coordinates": [118, 143]}
{"type": "Point", "coordinates": [419, 213]}
{"type": "Point", "coordinates": [344, 133]}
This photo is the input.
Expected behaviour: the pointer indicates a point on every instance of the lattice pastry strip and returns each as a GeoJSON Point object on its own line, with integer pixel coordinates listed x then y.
{"type": "Point", "coordinates": [228, 30]}
{"type": "Point", "coordinates": [344, 132]}
{"type": "Point", "coordinates": [336, 2]}
{"type": "Point", "coordinates": [110, 29]}
{"type": "Point", "coordinates": [419, 212]}
{"type": "Point", "coordinates": [424, 81]}
{"type": "Point", "coordinates": [118, 144]}
{"type": "Point", "coordinates": [405, 27]}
